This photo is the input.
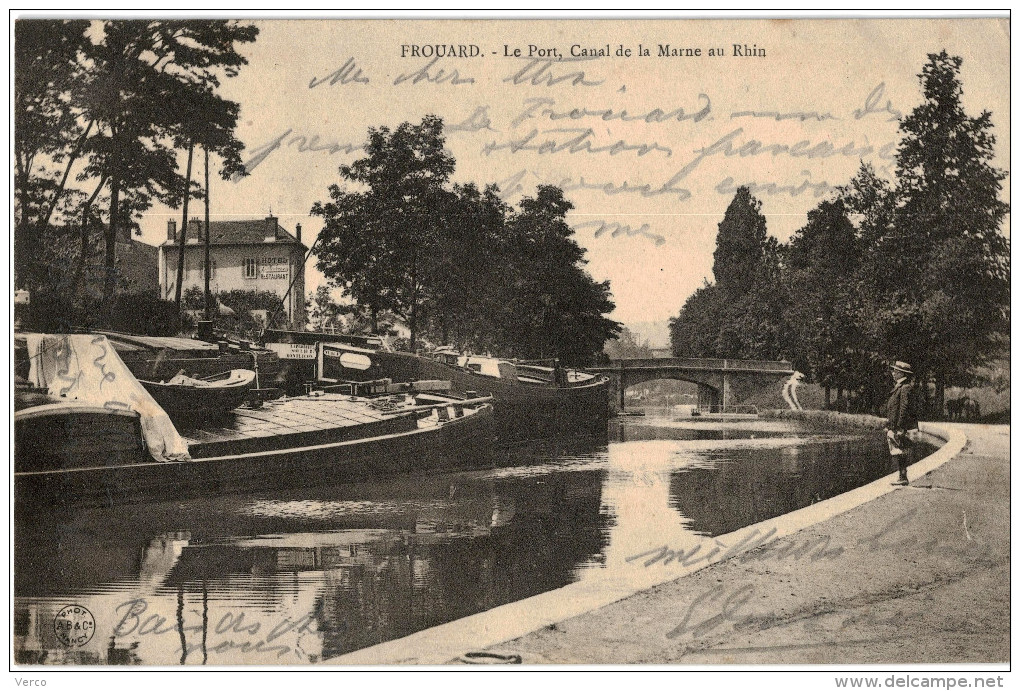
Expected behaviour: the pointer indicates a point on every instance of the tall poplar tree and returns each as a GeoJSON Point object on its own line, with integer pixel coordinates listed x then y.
{"type": "Point", "coordinates": [740, 315]}
{"type": "Point", "coordinates": [741, 245]}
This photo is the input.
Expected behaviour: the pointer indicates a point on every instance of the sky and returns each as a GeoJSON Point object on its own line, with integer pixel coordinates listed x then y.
{"type": "Point", "coordinates": [649, 148]}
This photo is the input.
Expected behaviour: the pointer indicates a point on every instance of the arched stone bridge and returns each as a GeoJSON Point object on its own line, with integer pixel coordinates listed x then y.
{"type": "Point", "coordinates": [722, 383]}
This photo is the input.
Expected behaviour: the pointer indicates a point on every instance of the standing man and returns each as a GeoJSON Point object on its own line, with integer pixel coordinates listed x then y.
{"type": "Point", "coordinates": [901, 411]}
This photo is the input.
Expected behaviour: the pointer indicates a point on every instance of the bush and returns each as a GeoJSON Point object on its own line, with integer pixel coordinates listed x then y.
{"type": "Point", "coordinates": [148, 315]}
{"type": "Point", "coordinates": [138, 313]}
{"type": "Point", "coordinates": [247, 321]}
{"type": "Point", "coordinates": [51, 312]}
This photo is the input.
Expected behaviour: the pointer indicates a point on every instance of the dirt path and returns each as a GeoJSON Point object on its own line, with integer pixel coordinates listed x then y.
{"type": "Point", "coordinates": [918, 575]}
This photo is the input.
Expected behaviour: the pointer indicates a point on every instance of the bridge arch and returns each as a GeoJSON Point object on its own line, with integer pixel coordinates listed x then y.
{"type": "Point", "coordinates": [709, 387]}
{"type": "Point", "coordinates": [721, 382]}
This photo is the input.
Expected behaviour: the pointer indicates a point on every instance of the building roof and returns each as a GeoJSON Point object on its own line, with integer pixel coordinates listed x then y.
{"type": "Point", "coordinates": [245, 232]}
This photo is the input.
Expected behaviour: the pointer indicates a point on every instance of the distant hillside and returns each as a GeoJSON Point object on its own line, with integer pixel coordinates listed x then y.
{"type": "Point", "coordinates": [656, 333]}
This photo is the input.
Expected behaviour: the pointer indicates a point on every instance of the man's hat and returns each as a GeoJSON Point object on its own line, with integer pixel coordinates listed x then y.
{"type": "Point", "coordinates": [900, 366]}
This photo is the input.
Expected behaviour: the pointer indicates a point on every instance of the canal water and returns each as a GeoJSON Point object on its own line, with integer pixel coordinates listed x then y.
{"type": "Point", "coordinates": [304, 576]}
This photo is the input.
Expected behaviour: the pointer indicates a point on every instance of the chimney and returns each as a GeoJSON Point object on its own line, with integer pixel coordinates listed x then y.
{"type": "Point", "coordinates": [298, 232]}
{"type": "Point", "coordinates": [171, 231]}
{"type": "Point", "coordinates": [272, 226]}
{"type": "Point", "coordinates": [194, 229]}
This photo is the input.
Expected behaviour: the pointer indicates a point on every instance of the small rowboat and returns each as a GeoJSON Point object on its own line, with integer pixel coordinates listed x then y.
{"type": "Point", "coordinates": [189, 399]}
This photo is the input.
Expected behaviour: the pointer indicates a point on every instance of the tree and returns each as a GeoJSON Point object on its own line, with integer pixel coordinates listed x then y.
{"type": "Point", "coordinates": [207, 120]}
{"type": "Point", "coordinates": [553, 308]}
{"type": "Point", "coordinates": [741, 314]}
{"type": "Point", "coordinates": [947, 302]}
{"type": "Point", "coordinates": [694, 332]}
{"type": "Point", "coordinates": [48, 131]}
{"type": "Point", "coordinates": [251, 310]}
{"type": "Point", "coordinates": [741, 245]}
{"type": "Point", "coordinates": [458, 262]}
{"type": "Point", "coordinates": [152, 83]}
{"type": "Point", "coordinates": [917, 270]}
{"type": "Point", "coordinates": [821, 265]}
{"type": "Point", "coordinates": [382, 244]}
{"type": "Point", "coordinates": [323, 312]}
{"type": "Point", "coordinates": [870, 204]}
{"type": "Point", "coordinates": [464, 308]}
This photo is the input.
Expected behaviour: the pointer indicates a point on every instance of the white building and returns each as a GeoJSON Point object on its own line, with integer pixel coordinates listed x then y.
{"type": "Point", "coordinates": [244, 255]}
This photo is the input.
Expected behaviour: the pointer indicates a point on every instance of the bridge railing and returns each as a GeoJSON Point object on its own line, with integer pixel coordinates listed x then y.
{"type": "Point", "coordinates": [703, 363]}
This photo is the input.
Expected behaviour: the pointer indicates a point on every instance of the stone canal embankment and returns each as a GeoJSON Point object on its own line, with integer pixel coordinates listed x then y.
{"type": "Point", "coordinates": [876, 575]}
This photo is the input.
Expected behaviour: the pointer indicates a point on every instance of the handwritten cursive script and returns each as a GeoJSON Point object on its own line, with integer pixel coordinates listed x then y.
{"type": "Point", "coordinates": [478, 120]}
{"type": "Point", "coordinates": [580, 142]}
{"type": "Point", "coordinates": [542, 108]}
{"type": "Point", "coordinates": [873, 105]}
{"type": "Point", "coordinates": [722, 605]}
{"type": "Point", "coordinates": [238, 633]}
{"type": "Point", "coordinates": [300, 142]}
{"type": "Point", "coordinates": [347, 73]}
{"type": "Point", "coordinates": [539, 72]}
{"type": "Point", "coordinates": [620, 229]}
{"type": "Point", "coordinates": [512, 185]}
{"type": "Point", "coordinates": [803, 116]}
{"type": "Point", "coordinates": [429, 75]}
{"type": "Point", "coordinates": [897, 534]}
{"type": "Point", "coordinates": [727, 146]}
{"type": "Point", "coordinates": [728, 187]}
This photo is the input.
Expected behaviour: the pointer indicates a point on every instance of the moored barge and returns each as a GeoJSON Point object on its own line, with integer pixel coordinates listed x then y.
{"type": "Point", "coordinates": [96, 437]}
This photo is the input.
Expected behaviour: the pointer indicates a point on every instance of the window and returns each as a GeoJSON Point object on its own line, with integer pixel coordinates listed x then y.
{"type": "Point", "coordinates": [251, 267]}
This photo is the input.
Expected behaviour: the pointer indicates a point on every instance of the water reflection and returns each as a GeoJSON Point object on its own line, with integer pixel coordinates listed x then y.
{"type": "Point", "coordinates": [299, 576]}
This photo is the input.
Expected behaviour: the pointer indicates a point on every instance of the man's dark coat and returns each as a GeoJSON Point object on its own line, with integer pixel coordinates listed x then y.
{"type": "Point", "coordinates": [902, 407]}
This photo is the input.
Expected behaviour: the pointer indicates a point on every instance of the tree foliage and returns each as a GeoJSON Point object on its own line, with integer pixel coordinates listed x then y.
{"type": "Point", "coordinates": [383, 241]}
{"type": "Point", "coordinates": [469, 295]}
{"type": "Point", "coordinates": [947, 305]}
{"type": "Point", "coordinates": [454, 262]}
{"type": "Point", "coordinates": [105, 105]}
{"type": "Point", "coordinates": [821, 266]}
{"type": "Point", "coordinates": [251, 309]}
{"type": "Point", "coordinates": [742, 245]}
{"type": "Point", "coordinates": [555, 309]}
{"type": "Point", "coordinates": [740, 315]}
{"type": "Point", "coordinates": [322, 311]}
{"type": "Point", "coordinates": [48, 131]}
{"type": "Point", "coordinates": [695, 331]}
{"type": "Point", "coordinates": [915, 270]}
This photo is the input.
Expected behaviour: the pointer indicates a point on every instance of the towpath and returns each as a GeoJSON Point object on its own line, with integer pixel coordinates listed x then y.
{"type": "Point", "coordinates": [918, 575]}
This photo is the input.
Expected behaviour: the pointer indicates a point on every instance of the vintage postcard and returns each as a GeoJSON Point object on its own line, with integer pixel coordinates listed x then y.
{"type": "Point", "coordinates": [512, 341]}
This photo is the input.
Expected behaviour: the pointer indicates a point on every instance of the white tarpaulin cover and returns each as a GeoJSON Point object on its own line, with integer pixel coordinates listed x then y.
{"type": "Point", "coordinates": [86, 368]}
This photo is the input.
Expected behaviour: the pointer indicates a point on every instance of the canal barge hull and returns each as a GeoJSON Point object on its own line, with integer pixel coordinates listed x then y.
{"type": "Point", "coordinates": [107, 463]}
{"type": "Point", "coordinates": [523, 411]}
